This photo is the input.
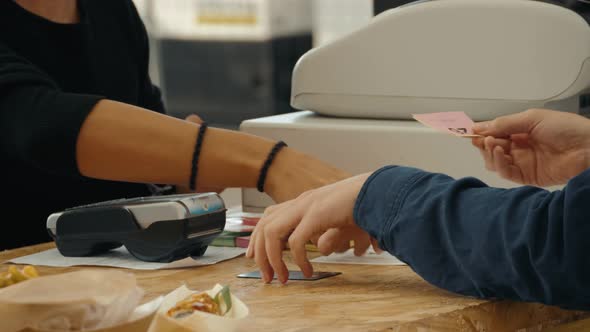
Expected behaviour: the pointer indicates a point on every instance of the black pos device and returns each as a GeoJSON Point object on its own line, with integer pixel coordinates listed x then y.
{"type": "Point", "coordinates": [155, 229]}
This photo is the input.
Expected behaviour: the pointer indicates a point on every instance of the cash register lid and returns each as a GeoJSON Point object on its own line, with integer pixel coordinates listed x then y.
{"type": "Point", "coordinates": [487, 58]}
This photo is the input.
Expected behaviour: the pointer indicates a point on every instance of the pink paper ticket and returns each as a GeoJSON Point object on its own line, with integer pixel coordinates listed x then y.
{"type": "Point", "coordinates": [454, 123]}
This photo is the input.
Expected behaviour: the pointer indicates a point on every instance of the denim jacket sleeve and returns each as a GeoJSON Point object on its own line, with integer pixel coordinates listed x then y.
{"type": "Point", "coordinates": [524, 243]}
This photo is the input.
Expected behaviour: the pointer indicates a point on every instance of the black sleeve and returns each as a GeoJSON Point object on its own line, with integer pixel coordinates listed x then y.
{"type": "Point", "coordinates": [150, 95]}
{"type": "Point", "coordinates": [39, 123]}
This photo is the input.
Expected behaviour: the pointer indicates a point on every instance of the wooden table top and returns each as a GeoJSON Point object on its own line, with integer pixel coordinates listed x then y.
{"type": "Point", "coordinates": [362, 298]}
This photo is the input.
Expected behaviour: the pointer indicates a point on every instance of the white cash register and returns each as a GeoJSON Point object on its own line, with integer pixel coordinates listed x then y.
{"type": "Point", "coordinates": [485, 57]}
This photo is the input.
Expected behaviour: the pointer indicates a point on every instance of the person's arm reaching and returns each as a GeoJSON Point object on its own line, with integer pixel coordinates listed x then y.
{"type": "Point", "coordinates": [72, 134]}
{"type": "Point", "coordinates": [144, 146]}
{"type": "Point", "coordinates": [523, 244]}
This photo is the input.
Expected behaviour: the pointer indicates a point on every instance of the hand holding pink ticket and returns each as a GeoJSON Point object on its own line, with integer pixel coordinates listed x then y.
{"type": "Point", "coordinates": [454, 123]}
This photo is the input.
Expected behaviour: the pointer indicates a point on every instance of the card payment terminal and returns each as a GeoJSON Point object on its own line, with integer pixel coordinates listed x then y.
{"type": "Point", "coordinates": [155, 229]}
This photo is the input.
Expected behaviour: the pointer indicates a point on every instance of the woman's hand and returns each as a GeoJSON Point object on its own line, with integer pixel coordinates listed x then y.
{"type": "Point", "coordinates": [536, 147]}
{"type": "Point", "coordinates": [324, 215]}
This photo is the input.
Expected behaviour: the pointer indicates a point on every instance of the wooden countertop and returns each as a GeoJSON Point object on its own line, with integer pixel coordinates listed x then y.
{"type": "Point", "coordinates": [362, 298]}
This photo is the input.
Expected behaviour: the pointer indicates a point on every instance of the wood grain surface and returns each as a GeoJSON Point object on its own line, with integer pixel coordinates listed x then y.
{"type": "Point", "coordinates": [362, 298]}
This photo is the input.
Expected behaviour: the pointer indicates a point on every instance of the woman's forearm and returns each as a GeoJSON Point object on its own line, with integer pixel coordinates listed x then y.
{"type": "Point", "coordinates": [122, 142]}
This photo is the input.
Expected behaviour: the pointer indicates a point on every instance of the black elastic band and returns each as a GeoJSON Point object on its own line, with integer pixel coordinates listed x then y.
{"type": "Point", "coordinates": [269, 159]}
{"type": "Point", "coordinates": [196, 153]}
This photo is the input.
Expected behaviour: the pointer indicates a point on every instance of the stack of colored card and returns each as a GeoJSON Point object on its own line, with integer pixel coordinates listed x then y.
{"type": "Point", "coordinates": [238, 228]}
{"type": "Point", "coordinates": [237, 231]}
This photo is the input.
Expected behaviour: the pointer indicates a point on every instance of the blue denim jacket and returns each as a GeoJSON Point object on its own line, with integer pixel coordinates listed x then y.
{"type": "Point", "coordinates": [524, 244]}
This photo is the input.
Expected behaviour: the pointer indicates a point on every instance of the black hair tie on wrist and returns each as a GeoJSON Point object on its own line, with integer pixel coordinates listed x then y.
{"type": "Point", "coordinates": [262, 178]}
{"type": "Point", "coordinates": [196, 153]}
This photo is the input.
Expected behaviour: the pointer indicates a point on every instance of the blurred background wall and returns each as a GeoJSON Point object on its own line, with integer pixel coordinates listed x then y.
{"type": "Point", "coordinates": [231, 60]}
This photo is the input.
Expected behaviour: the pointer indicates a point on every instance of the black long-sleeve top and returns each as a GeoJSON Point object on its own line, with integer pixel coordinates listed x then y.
{"type": "Point", "coordinates": [51, 77]}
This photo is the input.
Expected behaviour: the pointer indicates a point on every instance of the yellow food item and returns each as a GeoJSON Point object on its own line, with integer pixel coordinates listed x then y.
{"type": "Point", "coordinates": [30, 271]}
{"type": "Point", "coordinates": [201, 302]}
{"type": "Point", "coordinates": [14, 275]}
{"type": "Point", "coordinates": [219, 304]}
